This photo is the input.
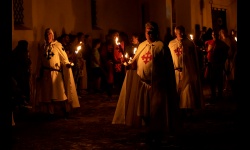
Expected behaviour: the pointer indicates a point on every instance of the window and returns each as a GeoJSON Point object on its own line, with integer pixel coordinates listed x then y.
{"type": "Point", "coordinates": [22, 10]}
{"type": "Point", "coordinates": [18, 12]}
{"type": "Point", "coordinates": [94, 15]}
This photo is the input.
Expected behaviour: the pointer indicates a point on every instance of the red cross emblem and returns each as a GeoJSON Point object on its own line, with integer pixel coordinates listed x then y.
{"type": "Point", "coordinates": [178, 51]}
{"type": "Point", "coordinates": [147, 57]}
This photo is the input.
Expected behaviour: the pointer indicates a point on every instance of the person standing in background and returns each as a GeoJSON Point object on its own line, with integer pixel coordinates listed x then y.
{"type": "Point", "coordinates": [86, 54]}
{"type": "Point", "coordinates": [216, 56]}
{"type": "Point", "coordinates": [119, 55]}
{"type": "Point", "coordinates": [131, 48]}
{"type": "Point", "coordinates": [187, 73]}
{"type": "Point", "coordinates": [96, 70]}
{"type": "Point", "coordinates": [81, 74]}
{"type": "Point", "coordinates": [230, 61]}
{"type": "Point", "coordinates": [21, 68]}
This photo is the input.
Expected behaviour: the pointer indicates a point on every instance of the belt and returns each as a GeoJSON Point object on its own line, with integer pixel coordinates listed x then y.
{"type": "Point", "coordinates": [146, 81]}
{"type": "Point", "coordinates": [51, 69]}
{"type": "Point", "coordinates": [179, 69]}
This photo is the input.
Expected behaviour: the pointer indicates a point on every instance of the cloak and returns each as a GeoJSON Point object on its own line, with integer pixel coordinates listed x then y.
{"type": "Point", "coordinates": [56, 81]}
{"type": "Point", "coordinates": [188, 81]}
{"type": "Point", "coordinates": [161, 105]}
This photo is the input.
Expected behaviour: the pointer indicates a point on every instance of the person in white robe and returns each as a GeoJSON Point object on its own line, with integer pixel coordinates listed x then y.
{"type": "Point", "coordinates": [155, 98]}
{"type": "Point", "coordinates": [54, 73]}
{"type": "Point", "coordinates": [187, 74]}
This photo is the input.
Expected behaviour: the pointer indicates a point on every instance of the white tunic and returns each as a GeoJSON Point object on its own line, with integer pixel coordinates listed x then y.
{"type": "Point", "coordinates": [144, 63]}
{"type": "Point", "coordinates": [188, 81]}
{"type": "Point", "coordinates": [55, 76]}
{"type": "Point", "coordinates": [156, 99]}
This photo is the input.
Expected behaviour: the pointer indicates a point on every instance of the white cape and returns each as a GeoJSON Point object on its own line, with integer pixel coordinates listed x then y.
{"type": "Point", "coordinates": [127, 105]}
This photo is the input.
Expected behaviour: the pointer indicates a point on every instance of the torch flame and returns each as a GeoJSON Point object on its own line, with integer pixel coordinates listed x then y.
{"type": "Point", "coordinates": [126, 55]}
{"type": "Point", "coordinates": [116, 41]}
{"type": "Point", "coordinates": [191, 36]}
{"type": "Point", "coordinates": [135, 50]}
{"type": "Point", "coordinates": [78, 49]}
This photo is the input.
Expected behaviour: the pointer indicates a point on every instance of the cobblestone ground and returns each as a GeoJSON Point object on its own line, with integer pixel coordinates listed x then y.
{"type": "Point", "coordinates": [90, 128]}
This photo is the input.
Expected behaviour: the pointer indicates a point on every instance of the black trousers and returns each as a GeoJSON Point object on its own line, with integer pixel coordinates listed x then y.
{"type": "Point", "coordinates": [216, 79]}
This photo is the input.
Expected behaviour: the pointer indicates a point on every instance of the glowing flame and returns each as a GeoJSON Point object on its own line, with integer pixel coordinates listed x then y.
{"type": "Point", "coordinates": [235, 39]}
{"type": "Point", "coordinates": [191, 36]}
{"type": "Point", "coordinates": [116, 41]}
{"type": "Point", "coordinates": [135, 49]}
{"type": "Point", "coordinates": [126, 55]}
{"type": "Point", "coordinates": [78, 49]}
{"type": "Point", "coordinates": [130, 60]}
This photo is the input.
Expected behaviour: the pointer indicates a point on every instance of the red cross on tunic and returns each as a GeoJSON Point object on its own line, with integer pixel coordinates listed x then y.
{"type": "Point", "coordinates": [147, 57]}
{"type": "Point", "coordinates": [178, 51]}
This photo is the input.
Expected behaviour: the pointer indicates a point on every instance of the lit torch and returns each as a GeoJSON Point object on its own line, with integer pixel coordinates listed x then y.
{"type": "Point", "coordinates": [78, 49]}
{"type": "Point", "coordinates": [135, 49]}
{"type": "Point", "coordinates": [191, 36]}
{"type": "Point", "coordinates": [130, 60]}
{"type": "Point", "coordinates": [126, 55]}
{"type": "Point", "coordinates": [116, 41]}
